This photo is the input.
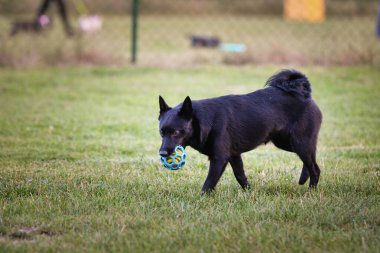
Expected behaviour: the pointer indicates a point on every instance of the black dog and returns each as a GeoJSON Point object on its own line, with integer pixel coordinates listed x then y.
{"type": "Point", "coordinates": [35, 26]}
{"type": "Point", "coordinates": [224, 127]}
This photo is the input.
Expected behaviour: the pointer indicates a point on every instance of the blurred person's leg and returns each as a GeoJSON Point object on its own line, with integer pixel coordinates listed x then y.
{"type": "Point", "coordinates": [43, 7]}
{"type": "Point", "coordinates": [63, 13]}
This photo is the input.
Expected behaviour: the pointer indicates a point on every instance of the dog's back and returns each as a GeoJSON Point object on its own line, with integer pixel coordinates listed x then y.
{"type": "Point", "coordinates": [249, 120]}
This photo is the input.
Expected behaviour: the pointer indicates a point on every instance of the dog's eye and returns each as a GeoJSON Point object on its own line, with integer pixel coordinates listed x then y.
{"type": "Point", "coordinates": [161, 132]}
{"type": "Point", "coordinates": [177, 132]}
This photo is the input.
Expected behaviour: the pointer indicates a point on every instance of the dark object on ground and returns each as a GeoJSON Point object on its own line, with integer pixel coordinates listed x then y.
{"type": "Point", "coordinates": [204, 41]}
{"type": "Point", "coordinates": [34, 26]}
{"type": "Point", "coordinates": [225, 127]}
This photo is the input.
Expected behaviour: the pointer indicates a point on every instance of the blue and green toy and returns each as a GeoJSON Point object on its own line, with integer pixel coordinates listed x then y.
{"type": "Point", "coordinates": [176, 160]}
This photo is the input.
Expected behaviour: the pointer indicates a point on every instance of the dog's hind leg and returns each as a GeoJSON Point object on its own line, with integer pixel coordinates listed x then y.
{"type": "Point", "coordinates": [306, 152]}
{"type": "Point", "coordinates": [305, 171]}
{"type": "Point", "coordinates": [304, 175]}
{"type": "Point", "coordinates": [316, 167]}
{"type": "Point", "coordinates": [217, 167]}
{"type": "Point", "coordinates": [283, 142]}
{"type": "Point", "coordinates": [238, 168]}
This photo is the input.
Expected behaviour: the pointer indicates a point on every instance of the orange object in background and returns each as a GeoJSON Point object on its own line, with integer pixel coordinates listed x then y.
{"type": "Point", "coordinates": [304, 10]}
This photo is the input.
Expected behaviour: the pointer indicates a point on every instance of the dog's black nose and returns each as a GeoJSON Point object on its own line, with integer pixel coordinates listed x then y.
{"type": "Point", "coordinates": [164, 153]}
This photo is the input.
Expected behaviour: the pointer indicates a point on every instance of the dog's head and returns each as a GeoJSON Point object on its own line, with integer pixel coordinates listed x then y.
{"type": "Point", "coordinates": [175, 125]}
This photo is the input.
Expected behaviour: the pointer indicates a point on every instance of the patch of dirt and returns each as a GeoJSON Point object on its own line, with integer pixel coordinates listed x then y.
{"type": "Point", "coordinates": [26, 233]}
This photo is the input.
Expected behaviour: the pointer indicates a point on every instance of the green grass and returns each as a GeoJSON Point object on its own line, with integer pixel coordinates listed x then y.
{"type": "Point", "coordinates": [79, 169]}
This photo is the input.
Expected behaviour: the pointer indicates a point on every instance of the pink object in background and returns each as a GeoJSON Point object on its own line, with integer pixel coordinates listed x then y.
{"type": "Point", "coordinates": [90, 23]}
{"type": "Point", "coordinates": [43, 20]}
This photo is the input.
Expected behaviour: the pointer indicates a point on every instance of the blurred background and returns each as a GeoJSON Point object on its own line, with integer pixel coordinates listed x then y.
{"type": "Point", "coordinates": [189, 32]}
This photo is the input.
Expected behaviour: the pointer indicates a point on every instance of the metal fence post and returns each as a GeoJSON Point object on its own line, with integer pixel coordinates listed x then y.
{"type": "Point", "coordinates": [135, 11]}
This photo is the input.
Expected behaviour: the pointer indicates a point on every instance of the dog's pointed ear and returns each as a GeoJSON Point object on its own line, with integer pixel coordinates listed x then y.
{"type": "Point", "coordinates": [186, 109]}
{"type": "Point", "coordinates": [163, 106]}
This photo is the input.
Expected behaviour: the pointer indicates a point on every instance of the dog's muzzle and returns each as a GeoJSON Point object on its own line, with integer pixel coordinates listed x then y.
{"type": "Point", "coordinates": [164, 153]}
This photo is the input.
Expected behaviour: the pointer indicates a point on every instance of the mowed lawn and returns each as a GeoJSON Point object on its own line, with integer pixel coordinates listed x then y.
{"type": "Point", "coordinates": [79, 167]}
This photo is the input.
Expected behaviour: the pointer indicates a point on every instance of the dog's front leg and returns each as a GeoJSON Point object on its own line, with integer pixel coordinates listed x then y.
{"type": "Point", "coordinates": [217, 166]}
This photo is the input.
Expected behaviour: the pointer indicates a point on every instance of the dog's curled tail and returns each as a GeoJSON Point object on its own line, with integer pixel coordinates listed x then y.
{"type": "Point", "coordinates": [291, 81]}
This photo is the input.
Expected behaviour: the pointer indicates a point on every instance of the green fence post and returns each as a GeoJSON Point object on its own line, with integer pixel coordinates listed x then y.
{"type": "Point", "coordinates": [135, 12]}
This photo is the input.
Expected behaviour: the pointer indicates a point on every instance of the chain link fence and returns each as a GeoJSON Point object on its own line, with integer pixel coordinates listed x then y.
{"type": "Point", "coordinates": [188, 32]}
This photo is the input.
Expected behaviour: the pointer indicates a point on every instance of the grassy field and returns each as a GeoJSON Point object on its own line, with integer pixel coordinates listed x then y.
{"type": "Point", "coordinates": [165, 40]}
{"type": "Point", "coordinates": [79, 168]}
